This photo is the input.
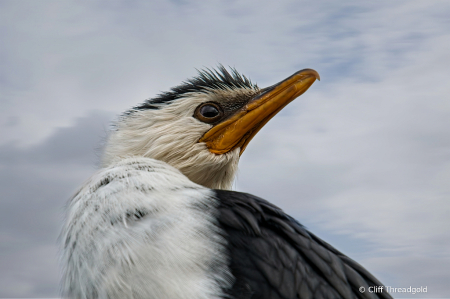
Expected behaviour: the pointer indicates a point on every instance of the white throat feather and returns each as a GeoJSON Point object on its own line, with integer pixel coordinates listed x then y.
{"type": "Point", "coordinates": [170, 134]}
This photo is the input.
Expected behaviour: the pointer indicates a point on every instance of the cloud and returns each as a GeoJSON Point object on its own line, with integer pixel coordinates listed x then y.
{"type": "Point", "coordinates": [361, 158]}
{"type": "Point", "coordinates": [111, 55]}
{"type": "Point", "coordinates": [34, 186]}
{"type": "Point", "coordinates": [367, 161]}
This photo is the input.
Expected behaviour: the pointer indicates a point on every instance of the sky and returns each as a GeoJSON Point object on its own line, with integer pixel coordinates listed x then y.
{"type": "Point", "coordinates": [362, 159]}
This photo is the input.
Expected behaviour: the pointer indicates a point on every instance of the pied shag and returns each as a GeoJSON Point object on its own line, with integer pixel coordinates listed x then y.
{"type": "Point", "coordinates": [158, 219]}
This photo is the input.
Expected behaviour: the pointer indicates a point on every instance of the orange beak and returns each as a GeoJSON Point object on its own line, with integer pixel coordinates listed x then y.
{"type": "Point", "coordinates": [239, 129]}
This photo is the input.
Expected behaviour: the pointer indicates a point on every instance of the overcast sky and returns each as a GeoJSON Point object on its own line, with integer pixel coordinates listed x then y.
{"type": "Point", "coordinates": [362, 159]}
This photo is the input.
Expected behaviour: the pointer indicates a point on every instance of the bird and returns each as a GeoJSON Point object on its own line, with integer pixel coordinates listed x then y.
{"type": "Point", "coordinates": [159, 218]}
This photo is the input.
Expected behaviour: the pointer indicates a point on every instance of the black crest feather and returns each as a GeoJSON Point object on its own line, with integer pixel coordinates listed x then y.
{"type": "Point", "coordinates": [206, 80]}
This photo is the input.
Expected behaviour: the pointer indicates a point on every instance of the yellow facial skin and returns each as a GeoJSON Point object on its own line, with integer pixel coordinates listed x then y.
{"type": "Point", "coordinates": [239, 129]}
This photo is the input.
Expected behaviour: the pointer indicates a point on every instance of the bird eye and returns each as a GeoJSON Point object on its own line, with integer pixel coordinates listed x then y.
{"type": "Point", "coordinates": [208, 112]}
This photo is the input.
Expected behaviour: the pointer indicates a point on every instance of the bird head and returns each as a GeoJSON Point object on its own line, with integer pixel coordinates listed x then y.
{"type": "Point", "coordinates": [203, 126]}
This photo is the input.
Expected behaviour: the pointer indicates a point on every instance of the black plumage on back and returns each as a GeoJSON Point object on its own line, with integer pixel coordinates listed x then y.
{"type": "Point", "coordinates": [273, 256]}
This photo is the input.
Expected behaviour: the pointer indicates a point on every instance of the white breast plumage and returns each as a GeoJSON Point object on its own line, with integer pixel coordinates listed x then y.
{"type": "Point", "coordinates": [130, 232]}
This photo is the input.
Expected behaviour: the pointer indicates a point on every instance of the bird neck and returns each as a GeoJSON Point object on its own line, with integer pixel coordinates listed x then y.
{"type": "Point", "coordinates": [197, 163]}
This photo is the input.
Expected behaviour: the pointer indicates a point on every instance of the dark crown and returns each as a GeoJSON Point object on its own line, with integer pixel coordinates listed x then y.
{"type": "Point", "coordinates": [205, 81]}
